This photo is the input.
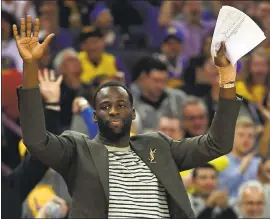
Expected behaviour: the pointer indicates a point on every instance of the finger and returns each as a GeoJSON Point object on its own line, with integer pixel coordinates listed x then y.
{"type": "Point", "coordinates": [222, 49]}
{"type": "Point", "coordinates": [46, 75]}
{"type": "Point", "coordinates": [52, 75]}
{"type": "Point", "coordinates": [59, 79]}
{"type": "Point", "coordinates": [28, 26]}
{"type": "Point", "coordinates": [36, 27]}
{"type": "Point", "coordinates": [15, 32]}
{"type": "Point", "coordinates": [23, 27]}
{"type": "Point", "coordinates": [40, 76]}
{"type": "Point", "coordinates": [47, 41]}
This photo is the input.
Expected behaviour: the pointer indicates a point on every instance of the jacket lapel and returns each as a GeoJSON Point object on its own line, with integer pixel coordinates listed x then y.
{"type": "Point", "coordinates": [164, 168]}
{"type": "Point", "coordinates": [99, 155]}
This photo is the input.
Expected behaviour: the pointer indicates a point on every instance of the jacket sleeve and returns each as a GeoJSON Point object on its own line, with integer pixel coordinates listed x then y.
{"type": "Point", "coordinates": [55, 151]}
{"type": "Point", "coordinates": [192, 152]}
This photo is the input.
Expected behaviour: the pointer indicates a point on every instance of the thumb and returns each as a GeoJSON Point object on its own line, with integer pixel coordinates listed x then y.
{"type": "Point", "coordinates": [47, 40]}
{"type": "Point", "coordinates": [222, 49]}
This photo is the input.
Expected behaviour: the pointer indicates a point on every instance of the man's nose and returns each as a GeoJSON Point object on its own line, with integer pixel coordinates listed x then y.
{"type": "Point", "coordinates": [113, 111]}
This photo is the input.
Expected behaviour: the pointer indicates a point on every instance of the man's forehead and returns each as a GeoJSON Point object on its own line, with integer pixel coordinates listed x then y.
{"type": "Point", "coordinates": [112, 92]}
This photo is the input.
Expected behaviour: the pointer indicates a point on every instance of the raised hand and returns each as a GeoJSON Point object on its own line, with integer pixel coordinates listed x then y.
{"type": "Point", "coordinates": [49, 86]}
{"type": "Point", "coordinates": [29, 47]}
{"type": "Point", "coordinates": [220, 59]}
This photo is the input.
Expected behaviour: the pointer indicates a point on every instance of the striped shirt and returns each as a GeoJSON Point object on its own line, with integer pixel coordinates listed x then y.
{"type": "Point", "coordinates": [134, 190]}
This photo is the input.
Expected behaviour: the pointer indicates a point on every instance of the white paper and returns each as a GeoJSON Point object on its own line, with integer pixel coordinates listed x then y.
{"type": "Point", "coordinates": [240, 33]}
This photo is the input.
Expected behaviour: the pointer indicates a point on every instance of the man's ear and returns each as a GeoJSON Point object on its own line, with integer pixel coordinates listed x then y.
{"type": "Point", "coordinates": [133, 114]}
{"type": "Point", "coordinates": [94, 116]}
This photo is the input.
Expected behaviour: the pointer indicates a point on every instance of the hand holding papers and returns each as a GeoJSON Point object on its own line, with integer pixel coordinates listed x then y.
{"type": "Point", "coordinates": [240, 33]}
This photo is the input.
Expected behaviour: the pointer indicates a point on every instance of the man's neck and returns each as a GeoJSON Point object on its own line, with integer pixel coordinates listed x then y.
{"type": "Point", "coordinates": [149, 97]}
{"type": "Point", "coordinates": [236, 154]}
{"type": "Point", "coordinates": [94, 60]}
{"type": "Point", "coordinates": [119, 142]}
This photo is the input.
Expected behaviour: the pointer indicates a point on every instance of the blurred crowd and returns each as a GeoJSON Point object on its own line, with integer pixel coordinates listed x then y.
{"type": "Point", "coordinates": [161, 51]}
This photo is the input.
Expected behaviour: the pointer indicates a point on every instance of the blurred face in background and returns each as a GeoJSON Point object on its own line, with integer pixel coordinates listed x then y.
{"type": "Point", "coordinates": [5, 30]}
{"type": "Point", "coordinates": [94, 46]}
{"type": "Point", "coordinates": [263, 11]}
{"type": "Point", "coordinates": [104, 20]}
{"type": "Point", "coordinates": [71, 70]}
{"type": "Point", "coordinates": [172, 48]}
{"type": "Point", "coordinates": [205, 181]}
{"type": "Point", "coordinates": [244, 139]}
{"type": "Point", "coordinates": [259, 68]}
{"type": "Point", "coordinates": [154, 84]}
{"type": "Point", "coordinates": [171, 127]}
{"type": "Point", "coordinates": [208, 73]}
{"type": "Point", "coordinates": [252, 203]}
{"type": "Point", "coordinates": [264, 171]}
{"type": "Point", "coordinates": [195, 119]}
{"type": "Point", "coordinates": [193, 10]}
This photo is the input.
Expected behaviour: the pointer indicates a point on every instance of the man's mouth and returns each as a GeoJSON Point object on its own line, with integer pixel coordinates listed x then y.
{"type": "Point", "coordinates": [115, 121]}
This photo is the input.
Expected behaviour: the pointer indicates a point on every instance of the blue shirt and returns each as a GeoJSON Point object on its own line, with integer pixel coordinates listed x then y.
{"type": "Point", "coordinates": [231, 178]}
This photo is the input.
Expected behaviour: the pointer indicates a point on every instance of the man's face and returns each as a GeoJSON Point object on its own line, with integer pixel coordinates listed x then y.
{"type": "Point", "coordinates": [104, 20]}
{"type": "Point", "coordinates": [263, 10]}
{"type": "Point", "coordinates": [171, 127]}
{"type": "Point", "coordinates": [113, 112]}
{"type": "Point", "coordinates": [155, 83]}
{"type": "Point", "coordinates": [205, 181]}
{"type": "Point", "coordinates": [171, 48]}
{"type": "Point", "coordinates": [210, 72]}
{"type": "Point", "coordinates": [193, 10]}
{"type": "Point", "coordinates": [72, 70]}
{"type": "Point", "coordinates": [195, 119]}
{"type": "Point", "coordinates": [252, 203]}
{"type": "Point", "coordinates": [244, 139]}
{"type": "Point", "coordinates": [265, 170]}
{"type": "Point", "coordinates": [94, 46]}
{"type": "Point", "coordinates": [259, 68]}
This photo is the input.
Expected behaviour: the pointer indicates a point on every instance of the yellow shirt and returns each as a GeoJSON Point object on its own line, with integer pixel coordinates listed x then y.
{"type": "Point", "coordinates": [257, 91]}
{"type": "Point", "coordinates": [107, 66]}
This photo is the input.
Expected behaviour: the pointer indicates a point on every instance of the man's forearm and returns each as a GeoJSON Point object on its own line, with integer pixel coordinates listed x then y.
{"type": "Point", "coordinates": [30, 75]}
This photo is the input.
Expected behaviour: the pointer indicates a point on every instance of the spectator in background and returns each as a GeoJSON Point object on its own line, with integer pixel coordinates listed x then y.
{"type": "Point", "coordinates": [171, 50]}
{"type": "Point", "coordinates": [10, 57]}
{"type": "Point", "coordinates": [193, 27]}
{"type": "Point", "coordinates": [171, 127]}
{"type": "Point", "coordinates": [101, 17]}
{"type": "Point", "coordinates": [19, 9]}
{"type": "Point", "coordinates": [49, 23]}
{"type": "Point", "coordinates": [68, 64]}
{"type": "Point", "coordinates": [263, 176]}
{"type": "Point", "coordinates": [153, 99]}
{"type": "Point", "coordinates": [251, 200]}
{"type": "Point", "coordinates": [195, 117]}
{"type": "Point", "coordinates": [243, 164]}
{"type": "Point", "coordinates": [95, 61]}
{"type": "Point", "coordinates": [206, 201]}
{"type": "Point", "coordinates": [257, 78]}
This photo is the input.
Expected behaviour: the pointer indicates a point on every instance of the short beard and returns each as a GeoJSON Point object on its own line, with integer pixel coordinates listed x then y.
{"type": "Point", "coordinates": [107, 132]}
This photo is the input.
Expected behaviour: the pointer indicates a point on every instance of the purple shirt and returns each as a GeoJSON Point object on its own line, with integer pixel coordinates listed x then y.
{"type": "Point", "coordinates": [194, 36]}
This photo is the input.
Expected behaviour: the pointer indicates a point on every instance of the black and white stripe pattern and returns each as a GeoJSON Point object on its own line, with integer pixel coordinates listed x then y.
{"type": "Point", "coordinates": [134, 190]}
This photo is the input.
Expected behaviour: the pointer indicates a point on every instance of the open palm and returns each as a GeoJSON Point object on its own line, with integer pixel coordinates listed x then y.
{"type": "Point", "coordinates": [49, 86]}
{"type": "Point", "coordinates": [29, 47]}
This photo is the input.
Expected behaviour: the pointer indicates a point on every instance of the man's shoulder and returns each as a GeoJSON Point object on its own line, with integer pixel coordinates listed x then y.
{"type": "Point", "coordinates": [73, 134]}
{"type": "Point", "coordinates": [176, 93]}
{"type": "Point", "coordinates": [151, 136]}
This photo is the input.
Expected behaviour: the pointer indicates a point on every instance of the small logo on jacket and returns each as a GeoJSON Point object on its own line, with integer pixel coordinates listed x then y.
{"type": "Point", "coordinates": [152, 155]}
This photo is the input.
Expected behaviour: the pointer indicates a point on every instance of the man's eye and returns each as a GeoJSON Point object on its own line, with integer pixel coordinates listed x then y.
{"type": "Point", "coordinates": [104, 107]}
